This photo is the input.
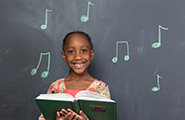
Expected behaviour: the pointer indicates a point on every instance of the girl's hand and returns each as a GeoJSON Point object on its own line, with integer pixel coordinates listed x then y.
{"type": "Point", "coordinates": [80, 116]}
{"type": "Point", "coordinates": [63, 115]}
{"type": "Point", "coordinates": [41, 117]}
{"type": "Point", "coordinates": [70, 115]}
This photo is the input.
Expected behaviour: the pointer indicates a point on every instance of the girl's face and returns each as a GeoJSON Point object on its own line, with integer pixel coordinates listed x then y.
{"type": "Point", "coordinates": [77, 53]}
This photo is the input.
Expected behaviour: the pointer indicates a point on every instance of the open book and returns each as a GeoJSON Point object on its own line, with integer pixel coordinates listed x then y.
{"type": "Point", "coordinates": [94, 105]}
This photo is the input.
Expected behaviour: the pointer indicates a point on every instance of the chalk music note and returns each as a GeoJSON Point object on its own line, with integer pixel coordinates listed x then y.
{"type": "Point", "coordinates": [85, 18]}
{"type": "Point", "coordinates": [126, 57]}
{"type": "Point", "coordinates": [45, 73]}
{"type": "Point", "coordinates": [44, 26]}
{"type": "Point", "coordinates": [158, 44]}
{"type": "Point", "coordinates": [154, 89]}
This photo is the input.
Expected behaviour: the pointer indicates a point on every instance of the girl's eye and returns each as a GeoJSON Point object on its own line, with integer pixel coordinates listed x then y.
{"type": "Point", "coordinates": [70, 51]}
{"type": "Point", "coordinates": [84, 50]}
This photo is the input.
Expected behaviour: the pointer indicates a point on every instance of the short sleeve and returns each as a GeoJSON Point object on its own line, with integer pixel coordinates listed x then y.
{"type": "Point", "coordinates": [103, 89]}
{"type": "Point", "coordinates": [56, 87]}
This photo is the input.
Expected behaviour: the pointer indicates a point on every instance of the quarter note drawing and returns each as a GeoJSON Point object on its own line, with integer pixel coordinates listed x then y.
{"type": "Point", "coordinates": [85, 18]}
{"type": "Point", "coordinates": [155, 89]}
{"type": "Point", "coordinates": [44, 74]}
{"type": "Point", "coordinates": [44, 26]}
{"type": "Point", "coordinates": [158, 44]}
{"type": "Point", "coordinates": [126, 57]}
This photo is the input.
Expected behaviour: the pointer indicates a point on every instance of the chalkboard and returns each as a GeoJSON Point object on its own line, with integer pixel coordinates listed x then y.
{"type": "Point", "coordinates": [139, 52]}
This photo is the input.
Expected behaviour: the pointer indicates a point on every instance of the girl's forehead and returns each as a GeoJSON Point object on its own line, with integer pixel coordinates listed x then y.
{"type": "Point", "coordinates": [77, 38]}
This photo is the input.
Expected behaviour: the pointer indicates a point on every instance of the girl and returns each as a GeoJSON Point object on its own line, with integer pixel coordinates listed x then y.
{"type": "Point", "coordinates": [78, 53]}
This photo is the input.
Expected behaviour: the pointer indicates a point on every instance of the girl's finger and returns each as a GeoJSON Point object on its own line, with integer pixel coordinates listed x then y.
{"type": "Point", "coordinates": [58, 114]}
{"type": "Point", "coordinates": [83, 115]}
{"type": "Point", "coordinates": [76, 117]}
{"type": "Point", "coordinates": [67, 116]}
{"type": "Point", "coordinates": [63, 112]}
{"type": "Point", "coordinates": [69, 110]}
{"type": "Point", "coordinates": [72, 116]}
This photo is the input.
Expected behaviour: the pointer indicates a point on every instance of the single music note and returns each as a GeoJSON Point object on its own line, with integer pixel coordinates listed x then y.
{"type": "Point", "coordinates": [85, 18]}
{"type": "Point", "coordinates": [44, 26]}
{"type": "Point", "coordinates": [126, 57]}
{"type": "Point", "coordinates": [45, 73]}
{"type": "Point", "coordinates": [154, 89]}
{"type": "Point", "coordinates": [158, 44]}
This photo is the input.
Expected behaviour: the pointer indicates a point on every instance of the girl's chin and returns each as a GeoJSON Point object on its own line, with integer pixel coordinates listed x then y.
{"type": "Point", "coordinates": [79, 71]}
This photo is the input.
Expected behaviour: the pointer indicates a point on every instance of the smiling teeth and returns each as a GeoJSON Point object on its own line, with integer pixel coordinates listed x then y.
{"type": "Point", "coordinates": [79, 65]}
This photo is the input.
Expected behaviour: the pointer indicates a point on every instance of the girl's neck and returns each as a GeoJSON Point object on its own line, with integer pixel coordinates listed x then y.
{"type": "Point", "coordinates": [84, 76]}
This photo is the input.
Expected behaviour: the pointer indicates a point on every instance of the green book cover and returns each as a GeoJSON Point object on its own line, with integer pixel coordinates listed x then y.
{"type": "Point", "coordinates": [50, 107]}
{"type": "Point", "coordinates": [94, 105]}
{"type": "Point", "coordinates": [99, 110]}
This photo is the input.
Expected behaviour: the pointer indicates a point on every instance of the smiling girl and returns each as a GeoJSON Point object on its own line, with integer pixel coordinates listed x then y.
{"type": "Point", "coordinates": [78, 53]}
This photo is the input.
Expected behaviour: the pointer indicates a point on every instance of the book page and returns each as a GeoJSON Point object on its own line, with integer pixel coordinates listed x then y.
{"type": "Point", "coordinates": [87, 95]}
{"type": "Point", "coordinates": [59, 96]}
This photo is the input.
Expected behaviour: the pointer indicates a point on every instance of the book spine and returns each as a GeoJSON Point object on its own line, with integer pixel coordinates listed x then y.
{"type": "Point", "coordinates": [76, 106]}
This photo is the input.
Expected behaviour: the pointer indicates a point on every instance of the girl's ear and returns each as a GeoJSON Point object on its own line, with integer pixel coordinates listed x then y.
{"type": "Point", "coordinates": [92, 54]}
{"type": "Point", "coordinates": [63, 56]}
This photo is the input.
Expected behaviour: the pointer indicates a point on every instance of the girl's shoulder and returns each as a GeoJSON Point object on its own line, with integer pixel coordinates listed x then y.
{"type": "Point", "coordinates": [100, 87]}
{"type": "Point", "coordinates": [99, 82]}
{"type": "Point", "coordinates": [58, 82]}
{"type": "Point", "coordinates": [97, 85]}
{"type": "Point", "coordinates": [57, 87]}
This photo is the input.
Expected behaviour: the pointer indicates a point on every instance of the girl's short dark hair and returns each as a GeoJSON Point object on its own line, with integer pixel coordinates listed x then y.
{"type": "Point", "coordinates": [80, 32]}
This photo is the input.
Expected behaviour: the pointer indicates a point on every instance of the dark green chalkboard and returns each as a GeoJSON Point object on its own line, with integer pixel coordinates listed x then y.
{"type": "Point", "coordinates": [147, 80]}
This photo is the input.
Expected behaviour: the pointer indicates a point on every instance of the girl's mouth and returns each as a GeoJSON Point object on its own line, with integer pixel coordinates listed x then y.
{"type": "Point", "coordinates": [79, 65]}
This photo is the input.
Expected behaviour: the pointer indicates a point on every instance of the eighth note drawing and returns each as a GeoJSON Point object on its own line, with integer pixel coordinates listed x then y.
{"type": "Point", "coordinates": [154, 89]}
{"type": "Point", "coordinates": [44, 26]}
{"type": "Point", "coordinates": [158, 44]}
{"type": "Point", "coordinates": [85, 18]}
{"type": "Point", "coordinates": [45, 73]}
{"type": "Point", "coordinates": [126, 57]}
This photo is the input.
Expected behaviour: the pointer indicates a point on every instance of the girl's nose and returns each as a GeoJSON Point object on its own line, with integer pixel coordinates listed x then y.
{"type": "Point", "coordinates": [78, 56]}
